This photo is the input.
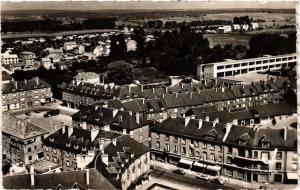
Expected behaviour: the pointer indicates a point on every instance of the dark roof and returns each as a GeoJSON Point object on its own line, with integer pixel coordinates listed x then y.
{"type": "Point", "coordinates": [79, 137]}
{"type": "Point", "coordinates": [102, 116]}
{"type": "Point", "coordinates": [65, 179]}
{"type": "Point", "coordinates": [259, 135]}
{"type": "Point", "coordinates": [177, 126]}
{"type": "Point", "coordinates": [260, 111]}
{"type": "Point", "coordinates": [201, 110]}
{"type": "Point", "coordinates": [25, 85]}
{"type": "Point", "coordinates": [20, 128]}
{"type": "Point", "coordinates": [125, 149]}
{"type": "Point", "coordinates": [5, 76]}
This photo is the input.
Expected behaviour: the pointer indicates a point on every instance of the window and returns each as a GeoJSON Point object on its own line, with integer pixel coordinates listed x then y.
{"type": "Point", "coordinates": [54, 151]}
{"type": "Point", "coordinates": [220, 148]}
{"type": "Point", "coordinates": [265, 144]}
{"type": "Point", "coordinates": [167, 138]}
{"type": "Point", "coordinates": [278, 166]}
{"type": "Point", "coordinates": [29, 149]}
{"type": "Point", "coordinates": [204, 156]}
{"type": "Point", "coordinates": [220, 159]}
{"type": "Point", "coordinates": [228, 160]}
{"type": "Point", "coordinates": [255, 154]}
{"type": "Point", "coordinates": [197, 153]}
{"type": "Point", "coordinates": [183, 150]}
{"type": "Point", "coordinates": [157, 145]}
{"type": "Point", "coordinates": [47, 149]}
{"type": "Point", "coordinates": [196, 144]}
{"type": "Point", "coordinates": [47, 157]}
{"type": "Point", "coordinates": [229, 150]}
{"type": "Point", "coordinates": [175, 148]}
{"type": "Point", "coordinates": [35, 147]}
{"type": "Point", "coordinates": [265, 156]}
{"type": "Point", "coordinates": [278, 155]}
{"type": "Point", "coordinates": [68, 163]}
{"type": "Point", "coordinates": [183, 141]}
{"type": "Point", "coordinates": [157, 136]}
{"type": "Point", "coordinates": [204, 146]}
{"type": "Point", "coordinates": [212, 156]}
{"type": "Point", "coordinates": [212, 147]}
{"type": "Point", "coordinates": [167, 147]}
{"type": "Point", "coordinates": [175, 139]}
{"type": "Point", "coordinates": [29, 158]}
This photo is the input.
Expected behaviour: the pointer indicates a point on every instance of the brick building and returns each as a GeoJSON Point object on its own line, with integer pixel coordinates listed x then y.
{"type": "Point", "coordinates": [25, 94]}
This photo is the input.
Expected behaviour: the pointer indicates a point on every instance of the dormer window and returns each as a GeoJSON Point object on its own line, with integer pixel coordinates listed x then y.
{"type": "Point", "coordinates": [241, 142]}
{"type": "Point", "coordinates": [76, 146]}
{"type": "Point", "coordinates": [51, 139]}
{"type": "Point", "coordinates": [68, 144]}
{"type": "Point", "coordinates": [83, 148]}
{"type": "Point", "coordinates": [132, 155]}
{"type": "Point", "coordinates": [265, 144]}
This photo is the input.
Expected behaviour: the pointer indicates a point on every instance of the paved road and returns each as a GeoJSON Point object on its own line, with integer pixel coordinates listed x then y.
{"type": "Point", "coordinates": [178, 181]}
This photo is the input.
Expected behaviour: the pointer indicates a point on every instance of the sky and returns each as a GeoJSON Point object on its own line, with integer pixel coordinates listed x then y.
{"type": "Point", "coordinates": [135, 5]}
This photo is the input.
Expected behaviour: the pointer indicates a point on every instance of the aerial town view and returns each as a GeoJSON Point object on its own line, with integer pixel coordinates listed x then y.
{"type": "Point", "coordinates": [148, 95]}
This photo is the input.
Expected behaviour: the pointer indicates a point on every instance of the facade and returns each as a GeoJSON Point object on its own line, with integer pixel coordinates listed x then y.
{"type": "Point", "coordinates": [250, 154]}
{"type": "Point", "coordinates": [25, 94]}
{"type": "Point", "coordinates": [124, 162]}
{"type": "Point", "coordinates": [237, 67]}
{"type": "Point", "coordinates": [7, 59]}
{"type": "Point", "coordinates": [70, 45]}
{"type": "Point", "coordinates": [89, 77]}
{"type": "Point", "coordinates": [47, 63]}
{"type": "Point", "coordinates": [21, 140]}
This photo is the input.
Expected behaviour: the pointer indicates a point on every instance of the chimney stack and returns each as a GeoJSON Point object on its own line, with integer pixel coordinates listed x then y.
{"type": "Point", "coordinates": [137, 118]}
{"type": "Point", "coordinates": [207, 118]}
{"type": "Point", "coordinates": [124, 131]}
{"type": "Point", "coordinates": [32, 176]}
{"type": "Point", "coordinates": [115, 111]}
{"type": "Point", "coordinates": [16, 84]}
{"type": "Point", "coordinates": [70, 130]}
{"type": "Point", "coordinates": [199, 123]}
{"type": "Point", "coordinates": [87, 172]}
{"type": "Point", "coordinates": [193, 117]}
{"type": "Point", "coordinates": [104, 158]}
{"type": "Point", "coordinates": [114, 141]}
{"type": "Point", "coordinates": [186, 121]}
{"type": "Point", "coordinates": [227, 130]}
{"type": "Point", "coordinates": [285, 133]}
{"type": "Point", "coordinates": [94, 133]}
{"type": "Point", "coordinates": [25, 81]}
{"type": "Point", "coordinates": [83, 125]}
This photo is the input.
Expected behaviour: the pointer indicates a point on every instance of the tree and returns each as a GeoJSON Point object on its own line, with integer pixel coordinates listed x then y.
{"type": "Point", "coordinates": [120, 72]}
{"type": "Point", "coordinates": [118, 47]}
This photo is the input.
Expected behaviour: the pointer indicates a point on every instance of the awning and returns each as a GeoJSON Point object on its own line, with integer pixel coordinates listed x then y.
{"type": "Point", "coordinates": [198, 164]}
{"type": "Point", "coordinates": [292, 175]}
{"type": "Point", "coordinates": [184, 161]}
{"type": "Point", "coordinates": [214, 168]}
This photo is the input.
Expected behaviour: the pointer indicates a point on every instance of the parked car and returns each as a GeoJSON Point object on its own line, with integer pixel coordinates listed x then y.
{"type": "Point", "coordinates": [203, 176]}
{"type": "Point", "coordinates": [52, 113]}
{"type": "Point", "coordinates": [218, 180]}
{"type": "Point", "coordinates": [180, 171]}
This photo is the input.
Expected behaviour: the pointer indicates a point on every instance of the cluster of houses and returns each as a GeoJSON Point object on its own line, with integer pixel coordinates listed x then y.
{"type": "Point", "coordinates": [213, 126]}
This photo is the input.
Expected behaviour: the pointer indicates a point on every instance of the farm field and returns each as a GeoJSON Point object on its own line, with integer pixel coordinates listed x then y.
{"type": "Point", "coordinates": [223, 39]}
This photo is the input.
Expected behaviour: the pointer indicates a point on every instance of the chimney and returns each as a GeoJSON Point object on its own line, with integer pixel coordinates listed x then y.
{"type": "Point", "coordinates": [87, 176]}
{"type": "Point", "coordinates": [173, 115]}
{"type": "Point", "coordinates": [55, 127]}
{"type": "Point", "coordinates": [32, 176]}
{"type": "Point", "coordinates": [199, 123]}
{"type": "Point", "coordinates": [16, 84]}
{"type": "Point", "coordinates": [186, 121]}
{"type": "Point", "coordinates": [104, 158]}
{"type": "Point", "coordinates": [153, 90]}
{"type": "Point", "coordinates": [25, 81]}
{"type": "Point", "coordinates": [207, 118]}
{"type": "Point", "coordinates": [285, 133]}
{"type": "Point", "coordinates": [143, 100]}
{"type": "Point", "coordinates": [193, 117]}
{"type": "Point", "coordinates": [223, 89]}
{"type": "Point", "coordinates": [227, 130]}
{"type": "Point", "coordinates": [114, 141]}
{"type": "Point", "coordinates": [70, 130]}
{"type": "Point", "coordinates": [124, 131]}
{"type": "Point", "coordinates": [137, 118]}
{"type": "Point", "coordinates": [94, 133]}
{"type": "Point", "coordinates": [191, 95]}
{"type": "Point", "coordinates": [176, 95]}
{"type": "Point", "coordinates": [83, 125]}
{"type": "Point", "coordinates": [130, 112]}
{"type": "Point", "coordinates": [216, 120]}
{"type": "Point", "coordinates": [216, 81]}
{"type": "Point", "coordinates": [106, 128]}
{"type": "Point", "coordinates": [63, 129]}
{"type": "Point", "coordinates": [115, 111]}
{"type": "Point", "coordinates": [37, 80]}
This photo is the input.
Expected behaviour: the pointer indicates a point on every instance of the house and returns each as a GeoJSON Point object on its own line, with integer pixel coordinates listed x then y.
{"type": "Point", "coordinates": [25, 94]}
{"type": "Point", "coordinates": [69, 45]}
{"type": "Point", "coordinates": [131, 44]}
{"type": "Point", "coordinates": [21, 140]}
{"type": "Point", "coordinates": [224, 29]}
{"type": "Point", "coordinates": [7, 59]}
{"type": "Point", "coordinates": [236, 27]}
{"type": "Point", "coordinates": [6, 78]}
{"type": "Point", "coordinates": [124, 162]}
{"type": "Point", "coordinates": [254, 26]}
{"type": "Point", "coordinates": [46, 63]}
{"type": "Point", "coordinates": [89, 77]}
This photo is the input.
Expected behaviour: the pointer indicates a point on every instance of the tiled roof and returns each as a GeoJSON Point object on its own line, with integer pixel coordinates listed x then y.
{"type": "Point", "coordinates": [201, 110]}
{"type": "Point", "coordinates": [260, 111]}
{"type": "Point", "coordinates": [191, 130]}
{"type": "Point", "coordinates": [20, 128]}
{"type": "Point", "coordinates": [78, 137]}
{"type": "Point", "coordinates": [25, 85]}
{"type": "Point", "coordinates": [65, 179]}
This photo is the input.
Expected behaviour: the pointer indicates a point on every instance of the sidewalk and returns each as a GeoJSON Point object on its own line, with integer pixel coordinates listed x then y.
{"type": "Point", "coordinates": [229, 180]}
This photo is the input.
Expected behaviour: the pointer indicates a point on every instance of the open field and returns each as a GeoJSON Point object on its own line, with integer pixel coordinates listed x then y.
{"type": "Point", "coordinates": [223, 39]}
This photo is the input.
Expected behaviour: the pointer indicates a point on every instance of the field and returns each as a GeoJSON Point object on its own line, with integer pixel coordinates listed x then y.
{"type": "Point", "coordinates": [223, 39]}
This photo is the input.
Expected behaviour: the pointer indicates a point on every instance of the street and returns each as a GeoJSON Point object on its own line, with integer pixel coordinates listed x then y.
{"type": "Point", "coordinates": [177, 181]}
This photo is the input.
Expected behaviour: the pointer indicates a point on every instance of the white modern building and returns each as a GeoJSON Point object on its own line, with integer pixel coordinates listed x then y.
{"type": "Point", "coordinates": [237, 67]}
